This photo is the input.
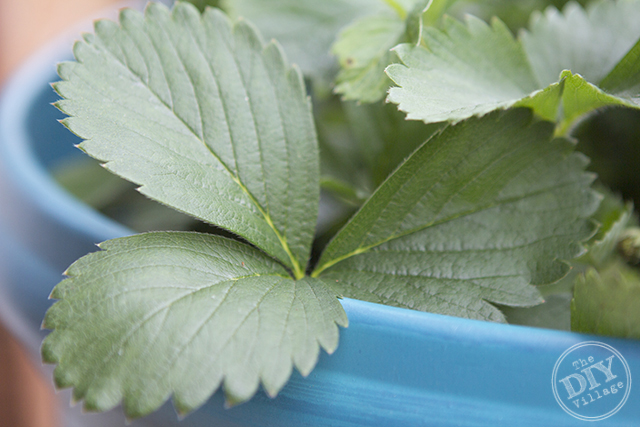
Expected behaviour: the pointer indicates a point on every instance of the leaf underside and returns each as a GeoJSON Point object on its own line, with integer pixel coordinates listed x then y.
{"type": "Point", "coordinates": [175, 313]}
{"type": "Point", "coordinates": [472, 68]}
{"type": "Point", "coordinates": [477, 214]}
{"type": "Point", "coordinates": [205, 118]}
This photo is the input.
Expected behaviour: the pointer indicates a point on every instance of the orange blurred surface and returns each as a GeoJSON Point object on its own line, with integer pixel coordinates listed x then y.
{"type": "Point", "coordinates": [26, 398]}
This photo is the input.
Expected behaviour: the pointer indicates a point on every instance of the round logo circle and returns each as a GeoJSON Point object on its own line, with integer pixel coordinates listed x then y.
{"type": "Point", "coordinates": [591, 381]}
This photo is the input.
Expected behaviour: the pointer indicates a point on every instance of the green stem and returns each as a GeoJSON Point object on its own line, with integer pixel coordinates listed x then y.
{"type": "Point", "coordinates": [399, 9]}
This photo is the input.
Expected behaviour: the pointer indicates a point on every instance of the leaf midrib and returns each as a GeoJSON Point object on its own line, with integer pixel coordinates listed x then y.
{"type": "Point", "coordinates": [297, 270]}
{"type": "Point", "coordinates": [487, 140]}
{"type": "Point", "coordinates": [283, 242]}
{"type": "Point", "coordinates": [363, 249]}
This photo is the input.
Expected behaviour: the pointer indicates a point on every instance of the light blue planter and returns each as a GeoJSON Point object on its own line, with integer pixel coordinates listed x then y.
{"type": "Point", "coordinates": [393, 367]}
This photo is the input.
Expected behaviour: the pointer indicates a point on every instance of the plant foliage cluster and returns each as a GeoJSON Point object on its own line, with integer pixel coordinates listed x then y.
{"type": "Point", "coordinates": [474, 207]}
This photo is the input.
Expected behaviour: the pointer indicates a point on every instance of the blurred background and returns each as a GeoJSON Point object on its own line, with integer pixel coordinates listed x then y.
{"type": "Point", "coordinates": [26, 397]}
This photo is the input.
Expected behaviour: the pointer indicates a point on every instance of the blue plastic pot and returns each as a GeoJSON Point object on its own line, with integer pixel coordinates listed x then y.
{"type": "Point", "coordinates": [393, 367]}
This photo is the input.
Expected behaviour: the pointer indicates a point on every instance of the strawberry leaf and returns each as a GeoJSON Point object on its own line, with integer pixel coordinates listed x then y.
{"type": "Point", "coordinates": [472, 68]}
{"type": "Point", "coordinates": [305, 28]}
{"type": "Point", "coordinates": [477, 214]}
{"type": "Point", "coordinates": [205, 118]}
{"type": "Point", "coordinates": [175, 313]}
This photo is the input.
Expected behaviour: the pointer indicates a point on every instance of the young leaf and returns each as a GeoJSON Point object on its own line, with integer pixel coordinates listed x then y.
{"type": "Point", "coordinates": [607, 302]}
{"type": "Point", "coordinates": [364, 48]}
{"type": "Point", "coordinates": [476, 215]}
{"type": "Point", "coordinates": [364, 51]}
{"type": "Point", "coordinates": [305, 28]}
{"type": "Point", "coordinates": [625, 77]}
{"type": "Point", "coordinates": [581, 97]}
{"type": "Point", "coordinates": [471, 68]}
{"type": "Point", "coordinates": [590, 42]}
{"type": "Point", "coordinates": [174, 313]}
{"type": "Point", "coordinates": [205, 118]}
{"type": "Point", "coordinates": [467, 69]}
{"type": "Point", "coordinates": [614, 220]}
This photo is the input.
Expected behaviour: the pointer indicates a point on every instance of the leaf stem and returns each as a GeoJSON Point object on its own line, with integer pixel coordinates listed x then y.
{"type": "Point", "coordinates": [398, 8]}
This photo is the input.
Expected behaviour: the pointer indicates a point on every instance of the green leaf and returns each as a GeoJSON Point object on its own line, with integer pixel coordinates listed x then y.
{"type": "Point", "coordinates": [554, 313]}
{"type": "Point", "coordinates": [607, 302]}
{"type": "Point", "coordinates": [589, 42]}
{"type": "Point", "coordinates": [178, 314]}
{"type": "Point", "coordinates": [361, 144]}
{"type": "Point", "coordinates": [467, 69]}
{"type": "Point", "coordinates": [580, 97]}
{"type": "Point", "coordinates": [614, 219]}
{"type": "Point", "coordinates": [471, 68]}
{"type": "Point", "coordinates": [205, 118]}
{"type": "Point", "coordinates": [364, 48]}
{"type": "Point", "coordinates": [342, 166]}
{"type": "Point", "coordinates": [432, 13]}
{"type": "Point", "coordinates": [117, 198]}
{"type": "Point", "coordinates": [305, 28]}
{"type": "Point", "coordinates": [202, 4]}
{"type": "Point", "coordinates": [383, 138]}
{"type": "Point", "coordinates": [625, 77]}
{"type": "Point", "coordinates": [89, 182]}
{"type": "Point", "coordinates": [516, 14]}
{"type": "Point", "coordinates": [364, 51]}
{"type": "Point", "coordinates": [477, 214]}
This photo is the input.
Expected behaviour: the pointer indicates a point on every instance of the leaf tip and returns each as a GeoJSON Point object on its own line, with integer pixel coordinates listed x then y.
{"type": "Point", "coordinates": [47, 353]}
{"type": "Point", "coordinates": [181, 407]}
{"type": "Point", "coordinates": [565, 74]}
{"type": "Point", "coordinates": [230, 401]}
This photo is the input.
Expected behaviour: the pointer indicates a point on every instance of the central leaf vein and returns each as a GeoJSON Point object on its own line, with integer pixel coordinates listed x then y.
{"type": "Point", "coordinates": [499, 203]}
{"type": "Point", "coordinates": [298, 273]}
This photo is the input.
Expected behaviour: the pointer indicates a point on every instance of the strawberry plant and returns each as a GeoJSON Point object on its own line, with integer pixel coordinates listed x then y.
{"type": "Point", "coordinates": [472, 208]}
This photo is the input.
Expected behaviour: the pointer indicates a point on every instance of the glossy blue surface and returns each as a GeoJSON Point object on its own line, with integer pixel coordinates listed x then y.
{"type": "Point", "coordinates": [393, 367]}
